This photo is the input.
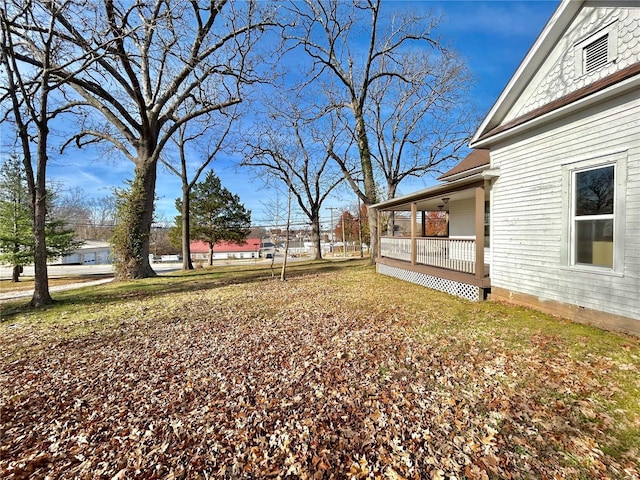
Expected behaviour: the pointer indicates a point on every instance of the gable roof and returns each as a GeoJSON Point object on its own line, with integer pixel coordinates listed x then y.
{"type": "Point", "coordinates": [477, 158]}
{"type": "Point", "coordinates": [497, 125]}
{"type": "Point", "coordinates": [250, 245]}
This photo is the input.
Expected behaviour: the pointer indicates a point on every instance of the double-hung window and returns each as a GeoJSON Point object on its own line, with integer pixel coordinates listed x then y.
{"type": "Point", "coordinates": [593, 212]}
{"type": "Point", "coordinates": [593, 232]}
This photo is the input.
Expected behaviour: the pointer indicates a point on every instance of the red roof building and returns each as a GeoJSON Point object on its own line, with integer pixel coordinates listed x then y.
{"type": "Point", "coordinates": [226, 250]}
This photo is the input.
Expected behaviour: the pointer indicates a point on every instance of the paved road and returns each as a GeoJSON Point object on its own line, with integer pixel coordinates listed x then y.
{"type": "Point", "coordinates": [57, 288]}
{"type": "Point", "coordinates": [61, 271]}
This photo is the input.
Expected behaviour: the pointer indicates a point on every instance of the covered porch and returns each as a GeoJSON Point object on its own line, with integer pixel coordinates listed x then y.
{"type": "Point", "coordinates": [439, 237]}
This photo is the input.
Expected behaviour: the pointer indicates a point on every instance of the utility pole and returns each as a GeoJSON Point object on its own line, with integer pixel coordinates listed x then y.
{"type": "Point", "coordinates": [344, 243]}
{"type": "Point", "coordinates": [332, 232]}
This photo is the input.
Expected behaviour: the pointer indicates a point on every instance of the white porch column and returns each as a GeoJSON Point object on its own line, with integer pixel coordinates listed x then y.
{"type": "Point", "coordinates": [479, 220]}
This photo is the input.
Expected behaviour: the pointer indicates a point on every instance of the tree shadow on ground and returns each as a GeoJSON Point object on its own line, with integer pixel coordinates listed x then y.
{"type": "Point", "coordinates": [189, 281]}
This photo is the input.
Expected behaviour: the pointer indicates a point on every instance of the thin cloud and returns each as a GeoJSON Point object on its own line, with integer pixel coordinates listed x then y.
{"type": "Point", "coordinates": [504, 19]}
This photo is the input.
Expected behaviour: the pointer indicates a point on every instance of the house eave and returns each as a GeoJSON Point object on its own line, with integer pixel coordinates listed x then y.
{"type": "Point", "coordinates": [490, 173]}
{"type": "Point", "coordinates": [614, 90]}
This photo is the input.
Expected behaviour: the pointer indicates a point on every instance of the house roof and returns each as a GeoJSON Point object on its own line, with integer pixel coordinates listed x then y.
{"type": "Point", "coordinates": [566, 100]}
{"type": "Point", "coordinates": [477, 158]}
{"type": "Point", "coordinates": [250, 245]}
{"type": "Point", "coordinates": [91, 244]}
{"type": "Point", "coordinates": [430, 198]}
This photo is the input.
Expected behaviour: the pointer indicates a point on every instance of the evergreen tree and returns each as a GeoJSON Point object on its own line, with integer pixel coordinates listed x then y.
{"type": "Point", "coordinates": [216, 214]}
{"type": "Point", "coordinates": [16, 238]}
{"type": "Point", "coordinates": [17, 241]}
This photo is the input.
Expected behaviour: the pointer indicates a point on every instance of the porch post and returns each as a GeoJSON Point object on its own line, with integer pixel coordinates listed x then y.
{"type": "Point", "coordinates": [480, 232]}
{"type": "Point", "coordinates": [377, 254]}
{"type": "Point", "coordinates": [414, 215]}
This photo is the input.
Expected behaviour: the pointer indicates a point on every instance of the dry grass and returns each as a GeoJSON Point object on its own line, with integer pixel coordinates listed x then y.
{"type": "Point", "coordinates": [336, 373]}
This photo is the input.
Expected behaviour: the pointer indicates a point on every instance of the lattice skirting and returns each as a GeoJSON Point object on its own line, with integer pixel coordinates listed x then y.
{"type": "Point", "coordinates": [463, 290]}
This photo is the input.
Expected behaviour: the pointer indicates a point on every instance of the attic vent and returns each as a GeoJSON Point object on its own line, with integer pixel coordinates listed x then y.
{"type": "Point", "coordinates": [595, 54]}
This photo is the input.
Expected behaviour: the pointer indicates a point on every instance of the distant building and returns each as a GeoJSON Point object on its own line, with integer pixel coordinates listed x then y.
{"type": "Point", "coordinates": [93, 252]}
{"type": "Point", "coordinates": [226, 250]}
{"type": "Point", "coordinates": [267, 248]}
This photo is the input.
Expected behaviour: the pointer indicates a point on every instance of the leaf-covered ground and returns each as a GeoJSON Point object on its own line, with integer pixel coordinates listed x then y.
{"type": "Point", "coordinates": [338, 375]}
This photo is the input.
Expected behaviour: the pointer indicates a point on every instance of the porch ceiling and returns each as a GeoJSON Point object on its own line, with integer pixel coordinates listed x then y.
{"type": "Point", "coordinates": [431, 198]}
{"type": "Point", "coordinates": [433, 203]}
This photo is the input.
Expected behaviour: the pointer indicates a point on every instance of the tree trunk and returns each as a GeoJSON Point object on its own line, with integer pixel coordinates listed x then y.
{"type": "Point", "coordinates": [211, 254]}
{"type": "Point", "coordinates": [391, 222]}
{"type": "Point", "coordinates": [41, 294]}
{"type": "Point", "coordinates": [186, 234]}
{"type": "Point", "coordinates": [15, 274]}
{"type": "Point", "coordinates": [373, 235]}
{"type": "Point", "coordinates": [369, 182]}
{"type": "Point", "coordinates": [315, 236]}
{"type": "Point", "coordinates": [135, 227]}
{"type": "Point", "coordinates": [283, 273]}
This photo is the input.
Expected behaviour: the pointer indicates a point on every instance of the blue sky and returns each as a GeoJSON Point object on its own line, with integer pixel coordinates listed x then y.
{"type": "Point", "coordinates": [492, 36]}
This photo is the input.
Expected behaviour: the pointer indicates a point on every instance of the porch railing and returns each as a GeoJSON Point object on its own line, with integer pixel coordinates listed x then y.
{"type": "Point", "coordinates": [449, 253]}
{"type": "Point", "coordinates": [396, 247]}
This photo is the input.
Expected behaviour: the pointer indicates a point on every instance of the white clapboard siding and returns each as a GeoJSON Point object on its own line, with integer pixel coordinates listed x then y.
{"type": "Point", "coordinates": [527, 221]}
{"type": "Point", "coordinates": [462, 218]}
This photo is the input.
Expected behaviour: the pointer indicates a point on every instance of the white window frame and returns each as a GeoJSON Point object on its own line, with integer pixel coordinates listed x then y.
{"type": "Point", "coordinates": [611, 31]}
{"type": "Point", "coordinates": [575, 219]}
{"type": "Point", "coordinates": [568, 253]}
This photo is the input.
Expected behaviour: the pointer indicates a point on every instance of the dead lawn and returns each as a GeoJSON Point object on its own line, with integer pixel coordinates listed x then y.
{"type": "Point", "coordinates": [344, 374]}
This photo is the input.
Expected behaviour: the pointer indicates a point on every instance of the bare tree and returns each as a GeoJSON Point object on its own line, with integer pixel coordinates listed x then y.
{"type": "Point", "coordinates": [72, 206]}
{"type": "Point", "coordinates": [291, 149]}
{"type": "Point", "coordinates": [422, 120]}
{"type": "Point", "coordinates": [205, 149]}
{"type": "Point", "coordinates": [274, 211]}
{"type": "Point", "coordinates": [149, 60]}
{"type": "Point", "coordinates": [92, 218]}
{"type": "Point", "coordinates": [352, 47]}
{"type": "Point", "coordinates": [102, 217]}
{"type": "Point", "coordinates": [33, 60]}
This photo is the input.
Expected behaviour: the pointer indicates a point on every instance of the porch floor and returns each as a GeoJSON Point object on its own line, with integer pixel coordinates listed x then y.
{"type": "Point", "coordinates": [483, 282]}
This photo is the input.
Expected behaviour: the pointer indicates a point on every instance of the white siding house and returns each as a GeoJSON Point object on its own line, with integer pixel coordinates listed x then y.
{"type": "Point", "coordinates": [565, 138]}
{"type": "Point", "coordinates": [550, 197]}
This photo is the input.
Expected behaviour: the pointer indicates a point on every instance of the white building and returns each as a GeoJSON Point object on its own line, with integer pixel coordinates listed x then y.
{"type": "Point", "coordinates": [92, 252]}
